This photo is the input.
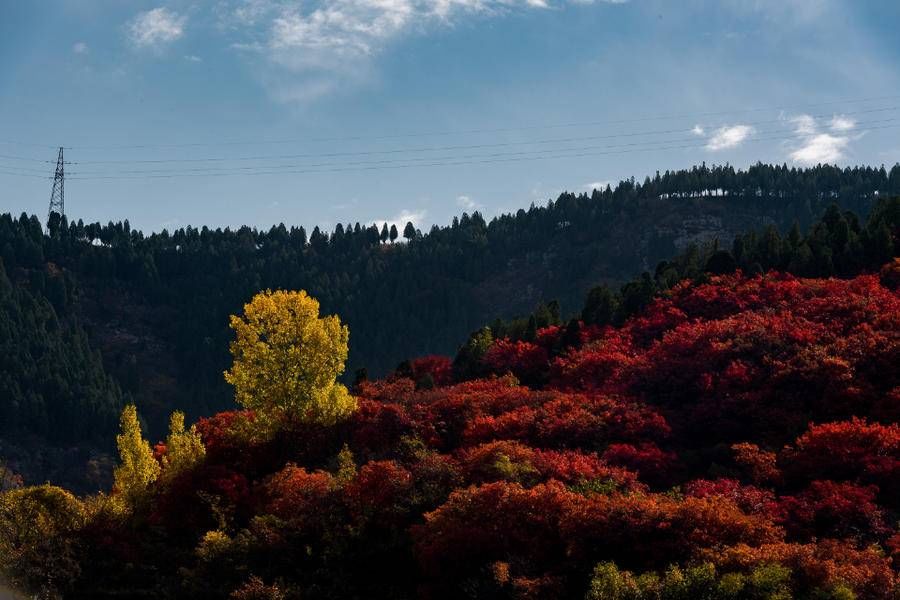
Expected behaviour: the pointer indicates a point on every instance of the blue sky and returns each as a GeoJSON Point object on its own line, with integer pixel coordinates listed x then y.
{"type": "Point", "coordinates": [230, 112]}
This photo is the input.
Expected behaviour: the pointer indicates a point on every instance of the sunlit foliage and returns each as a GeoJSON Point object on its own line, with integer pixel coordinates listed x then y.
{"type": "Point", "coordinates": [736, 439]}
{"type": "Point", "coordinates": [137, 468]}
{"type": "Point", "coordinates": [38, 529]}
{"type": "Point", "coordinates": [184, 449]}
{"type": "Point", "coordinates": [286, 359]}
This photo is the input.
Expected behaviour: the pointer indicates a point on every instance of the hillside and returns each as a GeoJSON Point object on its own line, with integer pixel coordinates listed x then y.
{"type": "Point", "coordinates": [737, 438]}
{"type": "Point", "coordinates": [156, 306]}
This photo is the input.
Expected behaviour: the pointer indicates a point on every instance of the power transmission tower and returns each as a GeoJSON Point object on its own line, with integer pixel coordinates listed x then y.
{"type": "Point", "coordinates": [58, 195]}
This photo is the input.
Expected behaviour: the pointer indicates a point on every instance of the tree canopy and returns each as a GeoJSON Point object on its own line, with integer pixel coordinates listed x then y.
{"type": "Point", "coordinates": [287, 359]}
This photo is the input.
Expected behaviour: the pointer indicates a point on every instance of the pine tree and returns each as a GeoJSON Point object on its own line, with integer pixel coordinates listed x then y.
{"type": "Point", "coordinates": [409, 232]}
{"type": "Point", "coordinates": [600, 306]}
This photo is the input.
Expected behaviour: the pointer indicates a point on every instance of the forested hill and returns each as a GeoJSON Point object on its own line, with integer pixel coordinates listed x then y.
{"type": "Point", "coordinates": [156, 306]}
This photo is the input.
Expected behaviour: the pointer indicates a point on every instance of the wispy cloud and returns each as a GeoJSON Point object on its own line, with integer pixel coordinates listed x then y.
{"type": "Point", "coordinates": [156, 28]}
{"type": "Point", "coordinates": [416, 217]}
{"type": "Point", "coordinates": [326, 42]}
{"type": "Point", "coordinates": [728, 137]}
{"type": "Point", "coordinates": [841, 123]}
{"type": "Point", "coordinates": [804, 124]}
{"type": "Point", "coordinates": [595, 185]}
{"type": "Point", "coordinates": [80, 48]}
{"type": "Point", "coordinates": [467, 203]}
{"type": "Point", "coordinates": [816, 146]}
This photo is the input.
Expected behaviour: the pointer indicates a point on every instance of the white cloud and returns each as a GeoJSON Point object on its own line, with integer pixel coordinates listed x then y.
{"type": "Point", "coordinates": [817, 147]}
{"type": "Point", "coordinates": [416, 217]}
{"type": "Point", "coordinates": [697, 130]}
{"type": "Point", "coordinates": [596, 185]}
{"type": "Point", "coordinates": [343, 26]}
{"type": "Point", "coordinates": [467, 203]}
{"type": "Point", "coordinates": [841, 123]}
{"type": "Point", "coordinates": [325, 43]}
{"type": "Point", "coordinates": [156, 28]}
{"type": "Point", "coordinates": [193, 58]}
{"type": "Point", "coordinates": [728, 137]}
{"type": "Point", "coordinates": [804, 124]}
{"type": "Point", "coordinates": [821, 148]}
{"type": "Point", "coordinates": [80, 48]}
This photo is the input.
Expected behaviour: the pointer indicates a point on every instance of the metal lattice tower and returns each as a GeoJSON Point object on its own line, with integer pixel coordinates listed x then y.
{"type": "Point", "coordinates": [58, 195]}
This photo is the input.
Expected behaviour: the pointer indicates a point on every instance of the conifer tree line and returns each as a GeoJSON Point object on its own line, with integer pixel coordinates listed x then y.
{"type": "Point", "coordinates": [421, 295]}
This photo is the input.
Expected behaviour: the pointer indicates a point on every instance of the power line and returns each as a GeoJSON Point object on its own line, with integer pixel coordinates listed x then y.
{"type": "Point", "coordinates": [444, 148]}
{"type": "Point", "coordinates": [433, 161]}
{"type": "Point", "coordinates": [13, 174]}
{"type": "Point", "coordinates": [491, 130]}
{"type": "Point", "coordinates": [400, 162]}
{"type": "Point", "coordinates": [451, 162]}
{"type": "Point", "coordinates": [215, 169]}
{"type": "Point", "coordinates": [464, 131]}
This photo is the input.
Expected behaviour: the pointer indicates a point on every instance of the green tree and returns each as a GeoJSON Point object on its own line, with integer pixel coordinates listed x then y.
{"type": "Point", "coordinates": [467, 361]}
{"type": "Point", "coordinates": [409, 232]}
{"type": "Point", "coordinates": [721, 262]}
{"type": "Point", "coordinates": [599, 307]}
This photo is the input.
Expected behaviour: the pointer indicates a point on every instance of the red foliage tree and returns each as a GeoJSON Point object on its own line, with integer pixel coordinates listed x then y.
{"type": "Point", "coordinates": [830, 509]}
{"type": "Point", "coordinates": [652, 464]}
{"type": "Point", "coordinates": [643, 532]}
{"type": "Point", "coordinates": [525, 360]}
{"type": "Point", "coordinates": [440, 368]}
{"type": "Point", "coordinates": [497, 522]}
{"type": "Point", "coordinates": [851, 450]}
{"type": "Point", "coordinates": [295, 493]}
{"type": "Point", "coordinates": [823, 565]}
{"type": "Point", "coordinates": [748, 498]}
{"type": "Point", "coordinates": [517, 463]}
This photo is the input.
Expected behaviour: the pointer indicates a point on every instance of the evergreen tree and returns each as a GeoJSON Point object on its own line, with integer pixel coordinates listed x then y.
{"type": "Point", "coordinates": [409, 232]}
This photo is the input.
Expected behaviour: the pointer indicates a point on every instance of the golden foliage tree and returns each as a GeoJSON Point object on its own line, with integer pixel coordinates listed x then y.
{"type": "Point", "coordinates": [38, 526]}
{"type": "Point", "coordinates": [287, 358]}
{"type": "Point", "coordinates": [184, 448]}
{"type": "Point", "coordinates": [138, 468]}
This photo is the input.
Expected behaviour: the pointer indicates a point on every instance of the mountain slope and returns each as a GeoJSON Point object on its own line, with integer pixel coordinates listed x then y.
{"type": "Point", "coordinates": [157, 306]}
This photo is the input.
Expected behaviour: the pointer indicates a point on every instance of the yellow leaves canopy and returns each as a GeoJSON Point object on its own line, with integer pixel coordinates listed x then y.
{"type": "Point", "coordinates": [184, 448]}
{"type": "Point", "coordinates": [138, 469]}
{"type": "Point", "coordinates": [36, 544]}
{"type": "Point", "coordinates": [287, 358]}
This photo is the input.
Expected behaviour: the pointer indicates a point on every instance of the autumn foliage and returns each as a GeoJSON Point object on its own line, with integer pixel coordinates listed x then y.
{"type": "Point", "coordinates": [738, 439]}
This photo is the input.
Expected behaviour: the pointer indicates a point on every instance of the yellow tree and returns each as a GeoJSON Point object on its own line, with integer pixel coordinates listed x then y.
{"type": "Point", "coordinates": [184, 448]}
{"type": "Point", "coordinates": [287, 359]}
{"type": "Point", "coordinates": [38, 539]}
{"type": "Point", "coordinates": [138, 468]}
